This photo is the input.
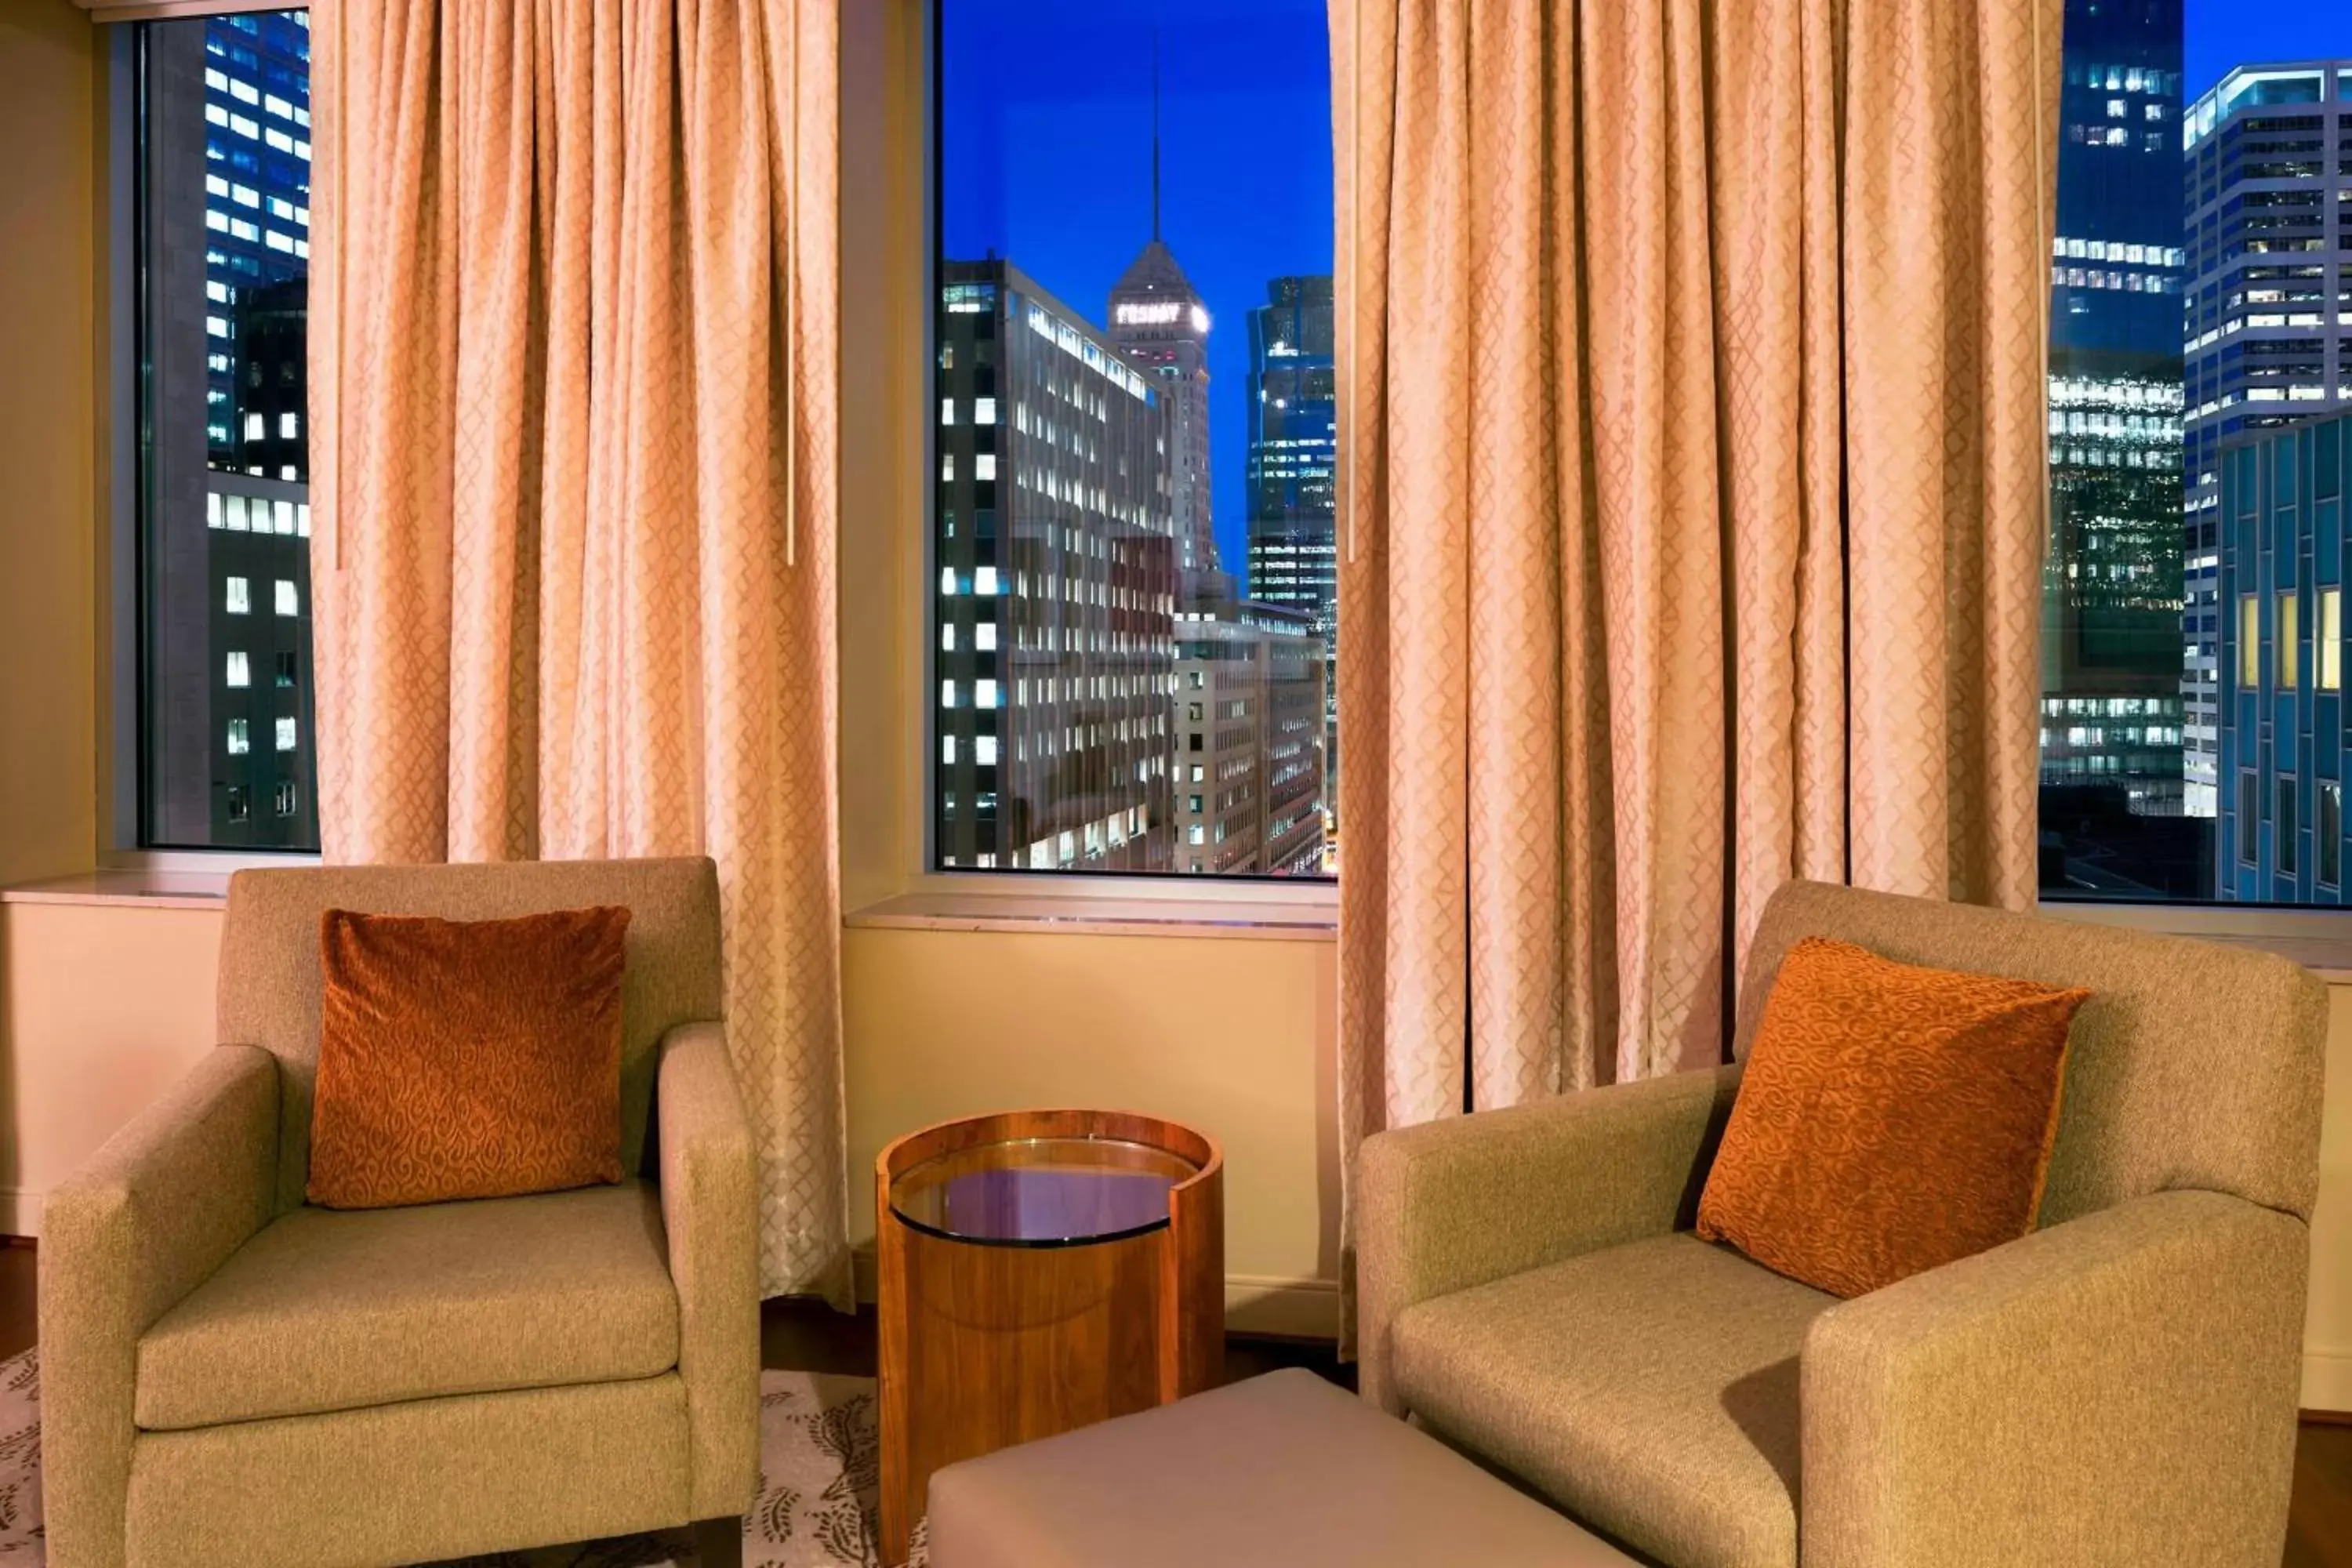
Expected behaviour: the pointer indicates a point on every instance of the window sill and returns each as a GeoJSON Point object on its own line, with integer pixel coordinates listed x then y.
{"type": "Point", "coordinates": [126, 888]}
{"type": "Point", "coordinates": [1298, 919]}
{"type": "Point", "coordinates": [2319, 940]}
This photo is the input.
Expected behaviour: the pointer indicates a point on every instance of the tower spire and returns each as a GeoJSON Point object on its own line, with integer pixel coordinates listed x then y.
{"type": "Point", "coordinates": [1155, 133]}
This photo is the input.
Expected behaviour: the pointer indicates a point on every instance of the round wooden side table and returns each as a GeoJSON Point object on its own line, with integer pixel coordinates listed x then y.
{"type": "Point", "coordinates": [1039, 1270]}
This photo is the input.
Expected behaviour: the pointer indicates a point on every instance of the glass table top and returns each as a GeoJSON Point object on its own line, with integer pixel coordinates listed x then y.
{"type": "Point", "coordinates": [1042, 1191]}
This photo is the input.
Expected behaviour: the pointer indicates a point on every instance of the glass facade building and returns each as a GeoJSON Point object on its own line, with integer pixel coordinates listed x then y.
{"type": "Point", "coordinates": [2266, 159]}
{"type": "Point", "coordinates": [1293, 462]}
{"type": "Point", "coordinates": [2279, 522]}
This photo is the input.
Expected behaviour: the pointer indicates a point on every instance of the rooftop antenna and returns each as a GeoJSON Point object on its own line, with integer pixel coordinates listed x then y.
{"type": "Point", "coordinates": [1155, 130]}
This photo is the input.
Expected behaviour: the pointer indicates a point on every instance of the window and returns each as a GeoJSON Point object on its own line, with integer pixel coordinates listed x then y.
{"type": "Point", "coordinates": [2290, 643]}
{"type": "Point", "coordinates": [2283, 832]}
{"type": "Point", "coordinates": [1135, 428]}
{"type": "Point", "coordinates": [221, 240]}
{"type": "Point", "coordinates": [2329, 653]}
{"type": "Point", "coordinates": [2174, 663]}
{"type": "Point", "coordinates": [2329, 829]}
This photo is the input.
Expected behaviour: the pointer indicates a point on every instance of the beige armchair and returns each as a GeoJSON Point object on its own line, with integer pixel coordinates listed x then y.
{"type": "Point", "coordinates": [2117, 1388]}
{"type": "Point", "coordinates": [232, 1377]}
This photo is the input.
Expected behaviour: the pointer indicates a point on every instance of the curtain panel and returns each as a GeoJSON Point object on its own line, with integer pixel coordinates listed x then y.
{"type": "Point", "coordinates": [1692, 519]}
{"type": "Point", "coordinates": [573, 367]}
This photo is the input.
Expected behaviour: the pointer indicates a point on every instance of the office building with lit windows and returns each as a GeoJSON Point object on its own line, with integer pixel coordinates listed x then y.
{"type": "Point", "coordinates": [1249, 741]}
{"type": "Point", "coordinates": [227, 200]}
{"type": "Point", "coordinates": [1293, 460]}
{"type": "Point", "coordinates": [2268, 167]}
{"type": "Point", "coordinates": [2280, 527]}
{"type": "Point", "coordinates": [2111, 707]}
{"type": "Point", "coordinates": [1055, 545]}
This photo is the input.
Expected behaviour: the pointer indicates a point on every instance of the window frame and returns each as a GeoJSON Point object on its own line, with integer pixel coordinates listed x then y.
{"type": "Point", "coordinates": [913, 28]}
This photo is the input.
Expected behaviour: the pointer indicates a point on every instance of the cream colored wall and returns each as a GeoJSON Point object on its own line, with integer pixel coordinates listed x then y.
{"type": "Point", "coordinates": [102, 1007]}
{"type": "Point", "coordinates": [50, 351]}
{"type": "Point", "coordinates": [1234, 1038]}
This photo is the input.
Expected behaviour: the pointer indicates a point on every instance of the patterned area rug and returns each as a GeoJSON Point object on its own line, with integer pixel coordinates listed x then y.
{"type": "Point", "coordinates": [820, 1469]}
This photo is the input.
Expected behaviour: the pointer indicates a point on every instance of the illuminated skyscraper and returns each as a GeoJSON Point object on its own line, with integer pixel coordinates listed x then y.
{"type": "Point", "coordinates": [2269, 161]}
{"type": "Point", "coordinates": [1056, 595]}
{"type": "Point", "coordinates": [225, 111]}
{"type": "Point", "coordinates": [1158, 322]}
{"type": "Point", "coordinates": [1249, 741]}
{"type": "Point", "coordinates": [1293, 458]}
{"type": "Point", "coordinates": [2111, 711]}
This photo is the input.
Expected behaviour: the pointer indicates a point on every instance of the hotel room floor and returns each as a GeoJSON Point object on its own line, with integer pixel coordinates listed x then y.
{"type": "Point", "coordinates": [810, 1337]}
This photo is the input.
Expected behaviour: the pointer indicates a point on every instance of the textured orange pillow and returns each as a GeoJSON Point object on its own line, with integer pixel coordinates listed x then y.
{"type": "Point", "coordinates": [1891, 1118]}
{"type": "Point", "coordinates": [466, 1059]}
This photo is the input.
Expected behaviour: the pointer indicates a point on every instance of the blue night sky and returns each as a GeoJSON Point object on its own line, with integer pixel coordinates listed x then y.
{"type": "Point", "coordinates": [1046, 161]}
{"type": "Point", "coordinates": [2224, 34]}
{"type": "Point", "coordinates": [1046, 149]}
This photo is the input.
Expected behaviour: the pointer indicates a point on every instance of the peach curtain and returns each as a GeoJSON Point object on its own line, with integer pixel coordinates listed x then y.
{"type": "Point", "coordinates": [573, 370]}
{"type": "Point", "coordinates": [1691, 392]}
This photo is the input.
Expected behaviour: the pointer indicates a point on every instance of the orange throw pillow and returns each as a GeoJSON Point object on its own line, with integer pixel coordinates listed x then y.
{"type": "Point", "coordinates": [1892, 1119]}
{"type": "Point", "coordinates": [466, 1059]}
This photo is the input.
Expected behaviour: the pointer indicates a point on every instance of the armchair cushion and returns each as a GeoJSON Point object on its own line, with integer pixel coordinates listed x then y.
{"type": "Point", "coordinates": [326, 1310]}
{"type": "Point", "coordinates": [467, 1059]}
{"type": "Point", "coordinates": [1893, 1118]}
{"type": "Point", "coordinates": [1650, 1389]}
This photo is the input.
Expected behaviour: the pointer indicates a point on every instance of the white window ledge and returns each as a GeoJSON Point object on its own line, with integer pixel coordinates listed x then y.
{"type": "Point", "coordinates": [128, 886]}
{"type": "Point", "coordinates": [1305, 918]}
{"type": "Point", "coordinates": [2319, 940]}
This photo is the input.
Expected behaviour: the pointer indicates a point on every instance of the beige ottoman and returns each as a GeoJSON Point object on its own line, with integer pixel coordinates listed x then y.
{"type": "Point", "coordinates": [1283, 1470]}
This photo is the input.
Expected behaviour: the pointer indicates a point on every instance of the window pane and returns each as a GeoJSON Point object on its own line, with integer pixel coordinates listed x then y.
{"type": "Point", "coordinates": [2329, 653]}
{"type": "Point", "coordinates": [2329, 829]}
{"type": "Point", "coordinates": [2290, 643]}
{"type": "Point", "coordinates": [2196, 282]}
{"type": "Point", "coordinates": [222, 185]}
{"type": "Point", "coordinates": [2250, 642]}
{"type": "Point", "coordinates": [1136, 403]}
{"type": "Point", "coordinates": [2283, 829]}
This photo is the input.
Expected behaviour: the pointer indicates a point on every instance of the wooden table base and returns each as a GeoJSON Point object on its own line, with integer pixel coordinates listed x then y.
{"type": "Point", "coordinates": [984, 1344]}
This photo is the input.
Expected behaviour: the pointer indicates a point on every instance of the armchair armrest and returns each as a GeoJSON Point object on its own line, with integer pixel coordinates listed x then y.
{"type": "Point", "coordinates": [1448, 1205]}
{"type": "Point", "coordinates": [711, 1208]}
{"type": "Point", "coordinates": [2117, 1389]}
{"type": "Point", "coordinates": [159, 1206]}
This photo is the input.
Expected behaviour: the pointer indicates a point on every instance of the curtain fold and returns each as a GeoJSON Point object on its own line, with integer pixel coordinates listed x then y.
{"type": "Point", "coordinates": [575, 368]}
{"type": "Point", "coordinates": [1691, 388]}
